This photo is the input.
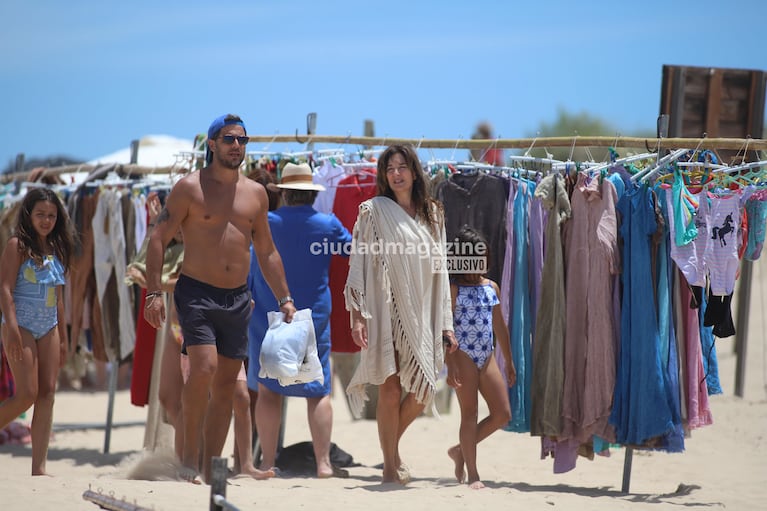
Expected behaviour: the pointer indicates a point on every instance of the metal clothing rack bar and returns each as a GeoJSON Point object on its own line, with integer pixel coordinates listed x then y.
{"type": "Point", "coordinates": [125, 169]}
{"type": "Point", "coordinates": [754, 144]}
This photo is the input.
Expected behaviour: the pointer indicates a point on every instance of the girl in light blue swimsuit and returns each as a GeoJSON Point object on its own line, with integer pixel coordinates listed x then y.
{"type": "Point", "coordinates": [31, 299]}
{"type": "Point", "coordinates": [472, 368]}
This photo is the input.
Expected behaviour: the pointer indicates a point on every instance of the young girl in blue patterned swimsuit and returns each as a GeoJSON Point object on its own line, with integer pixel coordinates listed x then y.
{"type": "Point", "coordinates": [473, 367]}
{"type": "Point", "coordinates": [31, 298]}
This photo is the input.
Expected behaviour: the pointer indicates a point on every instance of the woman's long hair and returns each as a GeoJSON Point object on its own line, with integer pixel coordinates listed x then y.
{"type": "Point", "coordinates": [60, 238]}
{"type": "Point", "coordinates": [425, 206]}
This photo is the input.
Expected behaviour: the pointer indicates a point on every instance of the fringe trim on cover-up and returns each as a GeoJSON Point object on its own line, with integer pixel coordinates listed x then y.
{"type": "Point", "coordinates": [394, 332]}
{"type": "Point", "coordinates": [411, 375]}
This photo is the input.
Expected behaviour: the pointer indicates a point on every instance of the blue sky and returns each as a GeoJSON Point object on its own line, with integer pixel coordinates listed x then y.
{"type": "Point", "coordinates": [84, 78]}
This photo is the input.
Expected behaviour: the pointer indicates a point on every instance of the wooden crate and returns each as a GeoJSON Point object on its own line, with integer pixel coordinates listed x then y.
{"type": "Point", "coordinates": [717, 102]}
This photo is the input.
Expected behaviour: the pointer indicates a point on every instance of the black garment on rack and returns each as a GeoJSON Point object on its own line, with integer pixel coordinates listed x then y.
{"type": "Point", "coordinates": [479, 201]}
{"type": "Point", "coordinates": [719, 315]}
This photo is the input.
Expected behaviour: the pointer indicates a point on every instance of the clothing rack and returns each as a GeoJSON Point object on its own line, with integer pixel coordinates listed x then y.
{"type": "Point", "coordinates": [648, 143]}
{"type": "Point", "coordinates": [754, 144]}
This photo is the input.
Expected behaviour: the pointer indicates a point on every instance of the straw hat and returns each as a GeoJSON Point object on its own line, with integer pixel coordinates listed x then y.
{"type": "Point", "coordinates": [298, 177]}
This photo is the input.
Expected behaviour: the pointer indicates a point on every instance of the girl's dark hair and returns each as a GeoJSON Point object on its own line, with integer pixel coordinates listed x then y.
{"type": "Point", "coordinates": [61, 237]}
{"type": "Point", "coordinates": [469, 242]}
{"type": "Point", "coordinates": [420, 194]}
{"type": "Point", "coordinates": [260, 175]}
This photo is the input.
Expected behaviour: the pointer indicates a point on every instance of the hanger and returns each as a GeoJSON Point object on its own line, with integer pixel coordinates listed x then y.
{"type": "Point", "coordinates": [485, 152]}
{"type": "Point", "coordinates": [367, 153]}
{"type": "Point", "coordinates": [534, 160]}
{"type": "Point", "coordinates": [621, 161]}
{"type": "Point", "coordinates": [755, 175]}
{"type": "Point", "coordinates": [746, 166]}
{"type": "Point", "coordinates": [358, 167]}
{"type": "Point", "coordinates": [646, 174]}
{"type": "Point", "coordinates": [455, 148]}
{"type": "Point", "coordinates": [334, 156]}
{"type": "Point", "coordinates": [572, 147]}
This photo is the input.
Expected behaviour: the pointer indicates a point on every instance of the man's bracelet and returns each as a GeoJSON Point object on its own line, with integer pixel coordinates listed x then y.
{"type": "Point", "coordinates": [285, 299]}
{"type": "Point", "coordinates": [150, 298]}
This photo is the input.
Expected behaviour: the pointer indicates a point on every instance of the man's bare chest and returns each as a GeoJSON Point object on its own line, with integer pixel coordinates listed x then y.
{"type": "Point", "coordinates": [211, 210]}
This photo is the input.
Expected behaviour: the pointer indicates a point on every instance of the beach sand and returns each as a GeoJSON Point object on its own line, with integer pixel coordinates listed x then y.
{"type": "Point", "coordinates": [724, 465]}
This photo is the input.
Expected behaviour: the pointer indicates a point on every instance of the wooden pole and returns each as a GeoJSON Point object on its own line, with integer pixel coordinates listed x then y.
{"type": "Point", "coordinates": [744, 306]}
{"type": "Point", "coordinates": [19, 165]}
{"type": "Point", "coordinates": [369, 130]}
{"type": "Point", "coordinates": [218, 473]}
{"type": "Point", "coordinates": [311, 128]}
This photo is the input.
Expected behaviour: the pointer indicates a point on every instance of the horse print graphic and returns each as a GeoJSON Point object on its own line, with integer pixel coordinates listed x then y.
{"type": "Point", "coordinates": [720, 232]}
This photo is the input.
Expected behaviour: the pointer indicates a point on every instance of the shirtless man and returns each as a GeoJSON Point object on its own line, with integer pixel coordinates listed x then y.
{"type": "Point", "coordinates": [220, 213]}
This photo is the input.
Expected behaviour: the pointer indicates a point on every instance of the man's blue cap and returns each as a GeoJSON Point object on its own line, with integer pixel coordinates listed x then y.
{"type": "Point", "coordinates": [220, 122]}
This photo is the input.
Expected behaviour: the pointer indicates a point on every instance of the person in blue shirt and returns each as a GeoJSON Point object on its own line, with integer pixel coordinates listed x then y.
{"type": "Point", "coordinates": [306, 239]}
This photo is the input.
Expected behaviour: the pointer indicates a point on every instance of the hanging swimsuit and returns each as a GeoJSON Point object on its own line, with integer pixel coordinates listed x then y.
{"type": "Point", "coordinates": [756, 208]}
{"type": "Point", "coordinates": [35, 295]}
{"type": "Point", "coordinates": [473, 320]}
{"type": "Point", "coordinates": [721, 256]}
{"type": "Point", "coordinates": [690, 256]}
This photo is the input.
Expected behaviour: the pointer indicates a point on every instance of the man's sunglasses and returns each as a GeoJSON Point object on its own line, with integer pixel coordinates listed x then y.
{"type": "Point", "coordinates": [229, 139]}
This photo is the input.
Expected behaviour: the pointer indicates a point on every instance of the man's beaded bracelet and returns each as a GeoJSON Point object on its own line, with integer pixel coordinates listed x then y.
{"type": "Point", "coordinates": [150, 298]}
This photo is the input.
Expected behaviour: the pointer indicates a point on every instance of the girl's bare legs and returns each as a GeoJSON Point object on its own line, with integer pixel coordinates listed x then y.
{"type": "Point", "coordinates": [467, 393]}
{"type": "Point", "coordinates": [243, 434]}
{"type": "Point", "coordinates": [48, 350]}
{"type": "Point", "coordinates": [28, 377]}
{"type": "Point", "coordinates": [320, 413]}
{"type": "Point", "coordinates": [491, 385]}
{"type": "Point", "coordinates": [268, 419]}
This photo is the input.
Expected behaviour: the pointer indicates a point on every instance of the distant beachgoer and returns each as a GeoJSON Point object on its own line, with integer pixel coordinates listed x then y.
{"type": "Point", "coordinates": [491, 154]}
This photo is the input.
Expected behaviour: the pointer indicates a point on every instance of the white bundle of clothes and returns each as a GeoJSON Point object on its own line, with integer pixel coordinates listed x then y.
{"type": "Point", "coordinates": [289, 351]}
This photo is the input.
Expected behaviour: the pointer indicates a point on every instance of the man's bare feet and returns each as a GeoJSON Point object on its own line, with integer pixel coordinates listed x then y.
{"type": "Point", "coordinates": [190, 475]}
{"type": "Point", "coordinates": [457, 456]}
{"type": "Point", "coordinates": [476, 485]}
